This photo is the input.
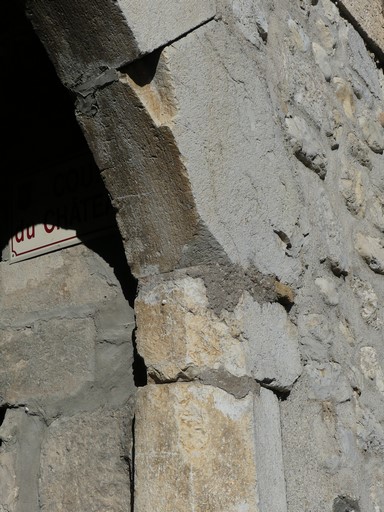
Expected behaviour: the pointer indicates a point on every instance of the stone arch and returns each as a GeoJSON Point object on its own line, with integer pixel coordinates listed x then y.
{"type": "Point", "coordinates": [116, 63]}
{"type": "Point", "coordinates": [126, 125]}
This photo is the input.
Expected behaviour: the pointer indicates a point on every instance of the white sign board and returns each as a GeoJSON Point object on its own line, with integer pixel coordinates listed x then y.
{"type": "Point", "coordinates": [58, 208]}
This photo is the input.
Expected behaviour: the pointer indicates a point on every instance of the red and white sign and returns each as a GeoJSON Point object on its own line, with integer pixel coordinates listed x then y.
{"type": "Point", "coordinates": [58, 208]}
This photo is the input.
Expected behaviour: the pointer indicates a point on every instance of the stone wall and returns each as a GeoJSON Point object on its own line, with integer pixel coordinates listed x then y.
{"type": "Point", "coordinates": [66, 384]}
{"type": "Point", "coordinates": [241, 143]}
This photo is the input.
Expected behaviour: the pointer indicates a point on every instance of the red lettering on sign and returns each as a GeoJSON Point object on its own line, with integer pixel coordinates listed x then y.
{"type": "Point", "coordinates": [49, 228]}
{"type": "Point", "coordinates": [31, 232]}
{"type": "Point", "coordinates": [19, 237]}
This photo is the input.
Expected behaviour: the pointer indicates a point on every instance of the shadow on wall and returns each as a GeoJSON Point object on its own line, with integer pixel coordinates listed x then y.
{"type": "Point", "coordinates": [49, 178]}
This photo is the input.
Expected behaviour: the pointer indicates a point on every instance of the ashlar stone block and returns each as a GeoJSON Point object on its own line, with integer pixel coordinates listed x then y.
{"type": "Point", "coordinates": [195, 450]}
{"type": "Point", "coordinates": [180, 337]}
{"type": "Point", "coordinates": [177, 331]}
{"type": "Point", "coordinates": [47, 360]}
{"type": "Point", "coordinates": [83, 463]}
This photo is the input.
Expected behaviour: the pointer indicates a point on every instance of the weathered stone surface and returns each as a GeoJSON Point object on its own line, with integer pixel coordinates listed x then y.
{"type": "Point", "coordinates": [371, 367]}
{"type": "Point", "coordinates": [322, 60]}
{"type": "Point", "coordinates": [359, 151]}
{"type": "Point", "coordinates": [369, 302]}
{"type": "Point", "coordinates": [363, 70]}
{"type": "Point", "coordinates": [371, 249]}
{"type": "Point", "coordinates": [368, 14]}
{"type": "Point", "coordinates": [315, 337]}
{"type": "Point", "coordinates": [376, 211]}
{"type": "Point", "coordinates": [8, 477]}
{"type": "Point", "coordinates": [326, 34]}
{"type": "Point", "coordinates": [9, 488]}
{"type": "Point", "coordinates": [125, 30]}
{"type": "Point", "coordinates": [180, 338]}
{"type": "Point", "coordinates": [328, 290]}
{"type": "Point", "coordinates": [67, 284]}
{"type": "Point", "coordinates": [251, 18]}
{"type": "Point", "coordinates": [373, 134]}
{"type": "Point", "coordinates": [353, 189]}
{"type": "Point", "coordinates": [195, 450]}
{"type": "Point", "coordinates": [115, 321]}
{"type": "Point", "coordinates": [298, 37]}
{"type": "Point", "coordinates": [156, 23]}
{"type": "Point", "coordinates": [177, 331]}
{"type": "Point", "coordinates": [344, 94]}
{"type": "Point", "coordinates": [272, 349]}
{"type": "Point", "coordinates": [222, 131]}
{"type": "Point", "coordinates": [327, 382]}
{"type": "Point", "coordinates": [150, 189]}
{"type": "Point", "coordinates": [306, 146]}
{"type": "Point", "coordinates": [191, 141]}
{"type": "Point", "coordinates": [84, 463]}
{"type": "Point", "coordinates": [47, 359]}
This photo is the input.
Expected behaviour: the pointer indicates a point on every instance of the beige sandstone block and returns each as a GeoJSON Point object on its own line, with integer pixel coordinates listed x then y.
{"type": "Point", "coordinates": [195, 450]}
{"type": "Point", "coordinates": [177, 331]}
{"type": "Point", "coordinates": [180, 337]}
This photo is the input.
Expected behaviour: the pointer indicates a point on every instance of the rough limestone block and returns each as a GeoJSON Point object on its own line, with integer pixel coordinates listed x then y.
{"type": "Point", "coordinates": [82, 38]}
{"type": "Point", "coordinates": [272, 348]}
{"type": "Point", "coordinates": [373, 134]}
{"type": "Point", "coordinates": [327, 381]}
{"type": "Point", "coordinates": [306, 145]}
{"type": "Point", "coordinates": [194, 450]}
{"type": "Point", "coordinates": [155, 23]}
{"type": "Point", "coordinates": [370, 306]}
{"type": "Point", "coordinates": [369, 16]}
{"type": "Point", "coordinates": [328, 290]}
{"type": "Point", "coordinates": [226, 133]}
{"type": "Point", "coordinates": [46, 360]}
{"type": "Point", "coordinates": [371, 249]}
{"type": "Point", "coordinates": [177, 331]}
{"type": "Point", "coordinates": [69, 281]}
{"type": "Point", "coordinates": [83, 463]}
